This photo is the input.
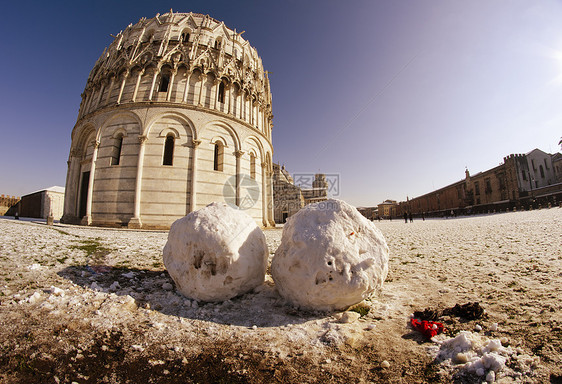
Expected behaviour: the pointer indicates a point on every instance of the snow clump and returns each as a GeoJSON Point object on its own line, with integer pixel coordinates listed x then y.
{"type": "Point", "coordinates": [330, 257]}
{"type": "Point", "coordinates": [470, 353]}
{"type": "Point", "coordinates": [216, 253]}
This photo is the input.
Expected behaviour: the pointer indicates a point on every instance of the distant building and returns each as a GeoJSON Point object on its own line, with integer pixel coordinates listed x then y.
{"type": "Point", "coordinates": [8, 205]}
{"type": "Point", "coordinates": [319, 190]}
{"type": "Point", "coordinates": [43, 203]}
{"type": "Point", "coordinates": [557, 166]}
{"type": "Point", "coordinates": [370, 213]}
{"type": "Point", "coordinates": [388, 209]}
{"type": "Point", "coordinates": [520, 181]}
{"type": "Point", "coordinates": [289, 198]}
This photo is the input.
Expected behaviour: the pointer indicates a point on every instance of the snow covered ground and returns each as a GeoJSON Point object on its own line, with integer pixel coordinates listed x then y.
{"type": "Point", "coordinates": [96, 305]}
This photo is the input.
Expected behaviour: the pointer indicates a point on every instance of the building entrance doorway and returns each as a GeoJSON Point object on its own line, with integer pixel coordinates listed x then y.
{"type": "Point", "coordinates": [84, 186]}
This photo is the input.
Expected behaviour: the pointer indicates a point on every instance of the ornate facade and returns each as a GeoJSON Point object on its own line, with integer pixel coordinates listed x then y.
{"type": "Point", "coordinates": [176, 111]}
{"type": "Point", "coordinates": [289, 198]}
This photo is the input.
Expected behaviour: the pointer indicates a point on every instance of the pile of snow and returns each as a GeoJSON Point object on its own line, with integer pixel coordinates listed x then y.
{"type": "Point", "coordinates": [477, 355]}
{"type": "Point", "coordinates": [216, 253]}
{"type": "Point", "coordinates": [330, 257]}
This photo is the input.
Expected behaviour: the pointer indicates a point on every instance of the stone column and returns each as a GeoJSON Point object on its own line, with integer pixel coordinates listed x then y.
{"type": "Point", "coordinates": [102, 88]}
{"type": "Point", "coordinates": [202, 77]}
{"type": "Point", "coordinates": [135, 221]}
{"type": "Point", "coordinates": [70, 210]}
{"type": "Point", "coordinates": [122, 87]}
{"type": "Point", "coordinates": [264, 194]}
{"type": "Point", "coordinates": [242, 105]}
{"type": "Point", "coordinates": [153, 84]}
{"type": "Point", "coordinates": [193, 196]}
{"type": "Point", "coordinates": [171, 85]}
{"type": "Point", "coordinates": [186, 90]}
{"type": "Point", "coordinates": [229, 93]}
{"type": "Point", "coordinates": [137, 85]}
{"type": "Point", "coordinates": [251, 110]}
{"type": "Point", "coordinates": [110, 89]}
{"type": "Point", "coordinates": [238, 155]}
{"type": "Point", "coordinates": [87, 103]}
{"type": "Point", "coordinates": [87, 220]}
{"type": "Point", "coordinates": [216, 85]}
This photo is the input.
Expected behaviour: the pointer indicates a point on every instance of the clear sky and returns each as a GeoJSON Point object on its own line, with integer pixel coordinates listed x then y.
{"type": "Point", "coordinates": [396, 97]}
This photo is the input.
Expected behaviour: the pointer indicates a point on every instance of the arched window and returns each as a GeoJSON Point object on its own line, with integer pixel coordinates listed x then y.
{"type": "Point", "coordinates": [164, 82]}
{"type": "Point", "coordinates": [116, 152]}
{"type": "Point", "coordinates": [252, 166]}
{"type": "Point", "coordinates": [541, 169]}
{"type": "Point", "coordinates": [218, 44]}
{"type": "Point", "coordinates": [169, 150]}
{"type": "Point", "coordinates": [149, 36]}
{"type": "Point", "coordinates": [218, 157]}
{"type": "Point", "coordinates": [221, 92]}
{"type": "Point", "coordinates": [185, 36]}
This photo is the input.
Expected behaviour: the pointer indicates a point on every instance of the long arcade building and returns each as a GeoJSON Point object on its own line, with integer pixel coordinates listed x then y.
{"type": "Point", "coordinates": [176, 114]}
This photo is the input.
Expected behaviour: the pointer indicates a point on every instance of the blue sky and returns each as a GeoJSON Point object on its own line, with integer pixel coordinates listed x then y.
{"type": "Point", "coordinates": [396, 97]}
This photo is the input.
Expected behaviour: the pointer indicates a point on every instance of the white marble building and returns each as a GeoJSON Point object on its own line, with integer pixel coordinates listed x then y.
{"type": "Point", "coordinates": [176, 114]}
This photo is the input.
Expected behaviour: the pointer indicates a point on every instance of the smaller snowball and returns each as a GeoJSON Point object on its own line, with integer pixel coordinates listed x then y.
{"type": "Point", "coordinates": [477, 327]}
{"type": "Point", "coordinates": [494, 327]}
{"type": "Point", "coordinates": [385, 364]}
{"type": "Point", "coordinates": [216, 253]}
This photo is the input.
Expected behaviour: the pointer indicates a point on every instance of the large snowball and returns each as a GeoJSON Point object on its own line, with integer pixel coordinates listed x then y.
{"type": "Point", "coordinates": [216, 253]}
{"type": "Point", "coordinates": [330, 257]}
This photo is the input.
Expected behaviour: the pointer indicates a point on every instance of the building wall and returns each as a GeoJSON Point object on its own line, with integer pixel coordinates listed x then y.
{"type": "Point", "coordinates": [557, 166]}
{"type": "Point", "coordinates": [8, 204]}
{"type": "Point", "coordinates": [288, 198]}
{"type": "Point", "coordinates": [53, 204]}
{"type": "Point", "coordinates": [41, 204]}
{"type": "Point", "coordinates": [540, 167]}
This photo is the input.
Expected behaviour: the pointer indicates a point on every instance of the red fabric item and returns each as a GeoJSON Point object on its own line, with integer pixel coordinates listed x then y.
{"type": "Point", "coordinates": [427, 328]}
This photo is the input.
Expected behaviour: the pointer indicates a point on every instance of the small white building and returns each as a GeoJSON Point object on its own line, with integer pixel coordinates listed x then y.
{"type": "Point", "coordinates": [43, 203]}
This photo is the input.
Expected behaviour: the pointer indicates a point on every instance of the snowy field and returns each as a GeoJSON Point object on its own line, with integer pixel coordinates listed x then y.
{"type": "Point", "coordinates": [96, 305]}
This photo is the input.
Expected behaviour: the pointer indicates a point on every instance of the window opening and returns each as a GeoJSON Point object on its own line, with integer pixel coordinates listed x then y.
{"type": "Point", "coordinates": [168, 150]}
{"type": "Point", "coordinates": [221, 92]}
{"type": "Point", "coordinates": [164, 83]}
{"type": "Point", "coordinates": [218, 157]}
{"type": "Point", "coordinates": [117, 145]}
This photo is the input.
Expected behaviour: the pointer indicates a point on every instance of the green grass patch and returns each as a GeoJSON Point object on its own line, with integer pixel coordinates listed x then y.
{"type": "Point", "coordinates": [90, 247]}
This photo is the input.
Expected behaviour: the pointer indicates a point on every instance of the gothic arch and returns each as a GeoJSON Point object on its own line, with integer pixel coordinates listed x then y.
{"type": "Point", "coordinates": [227, 127]}
{"type": "Point", "coordinates": [184, 120]}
